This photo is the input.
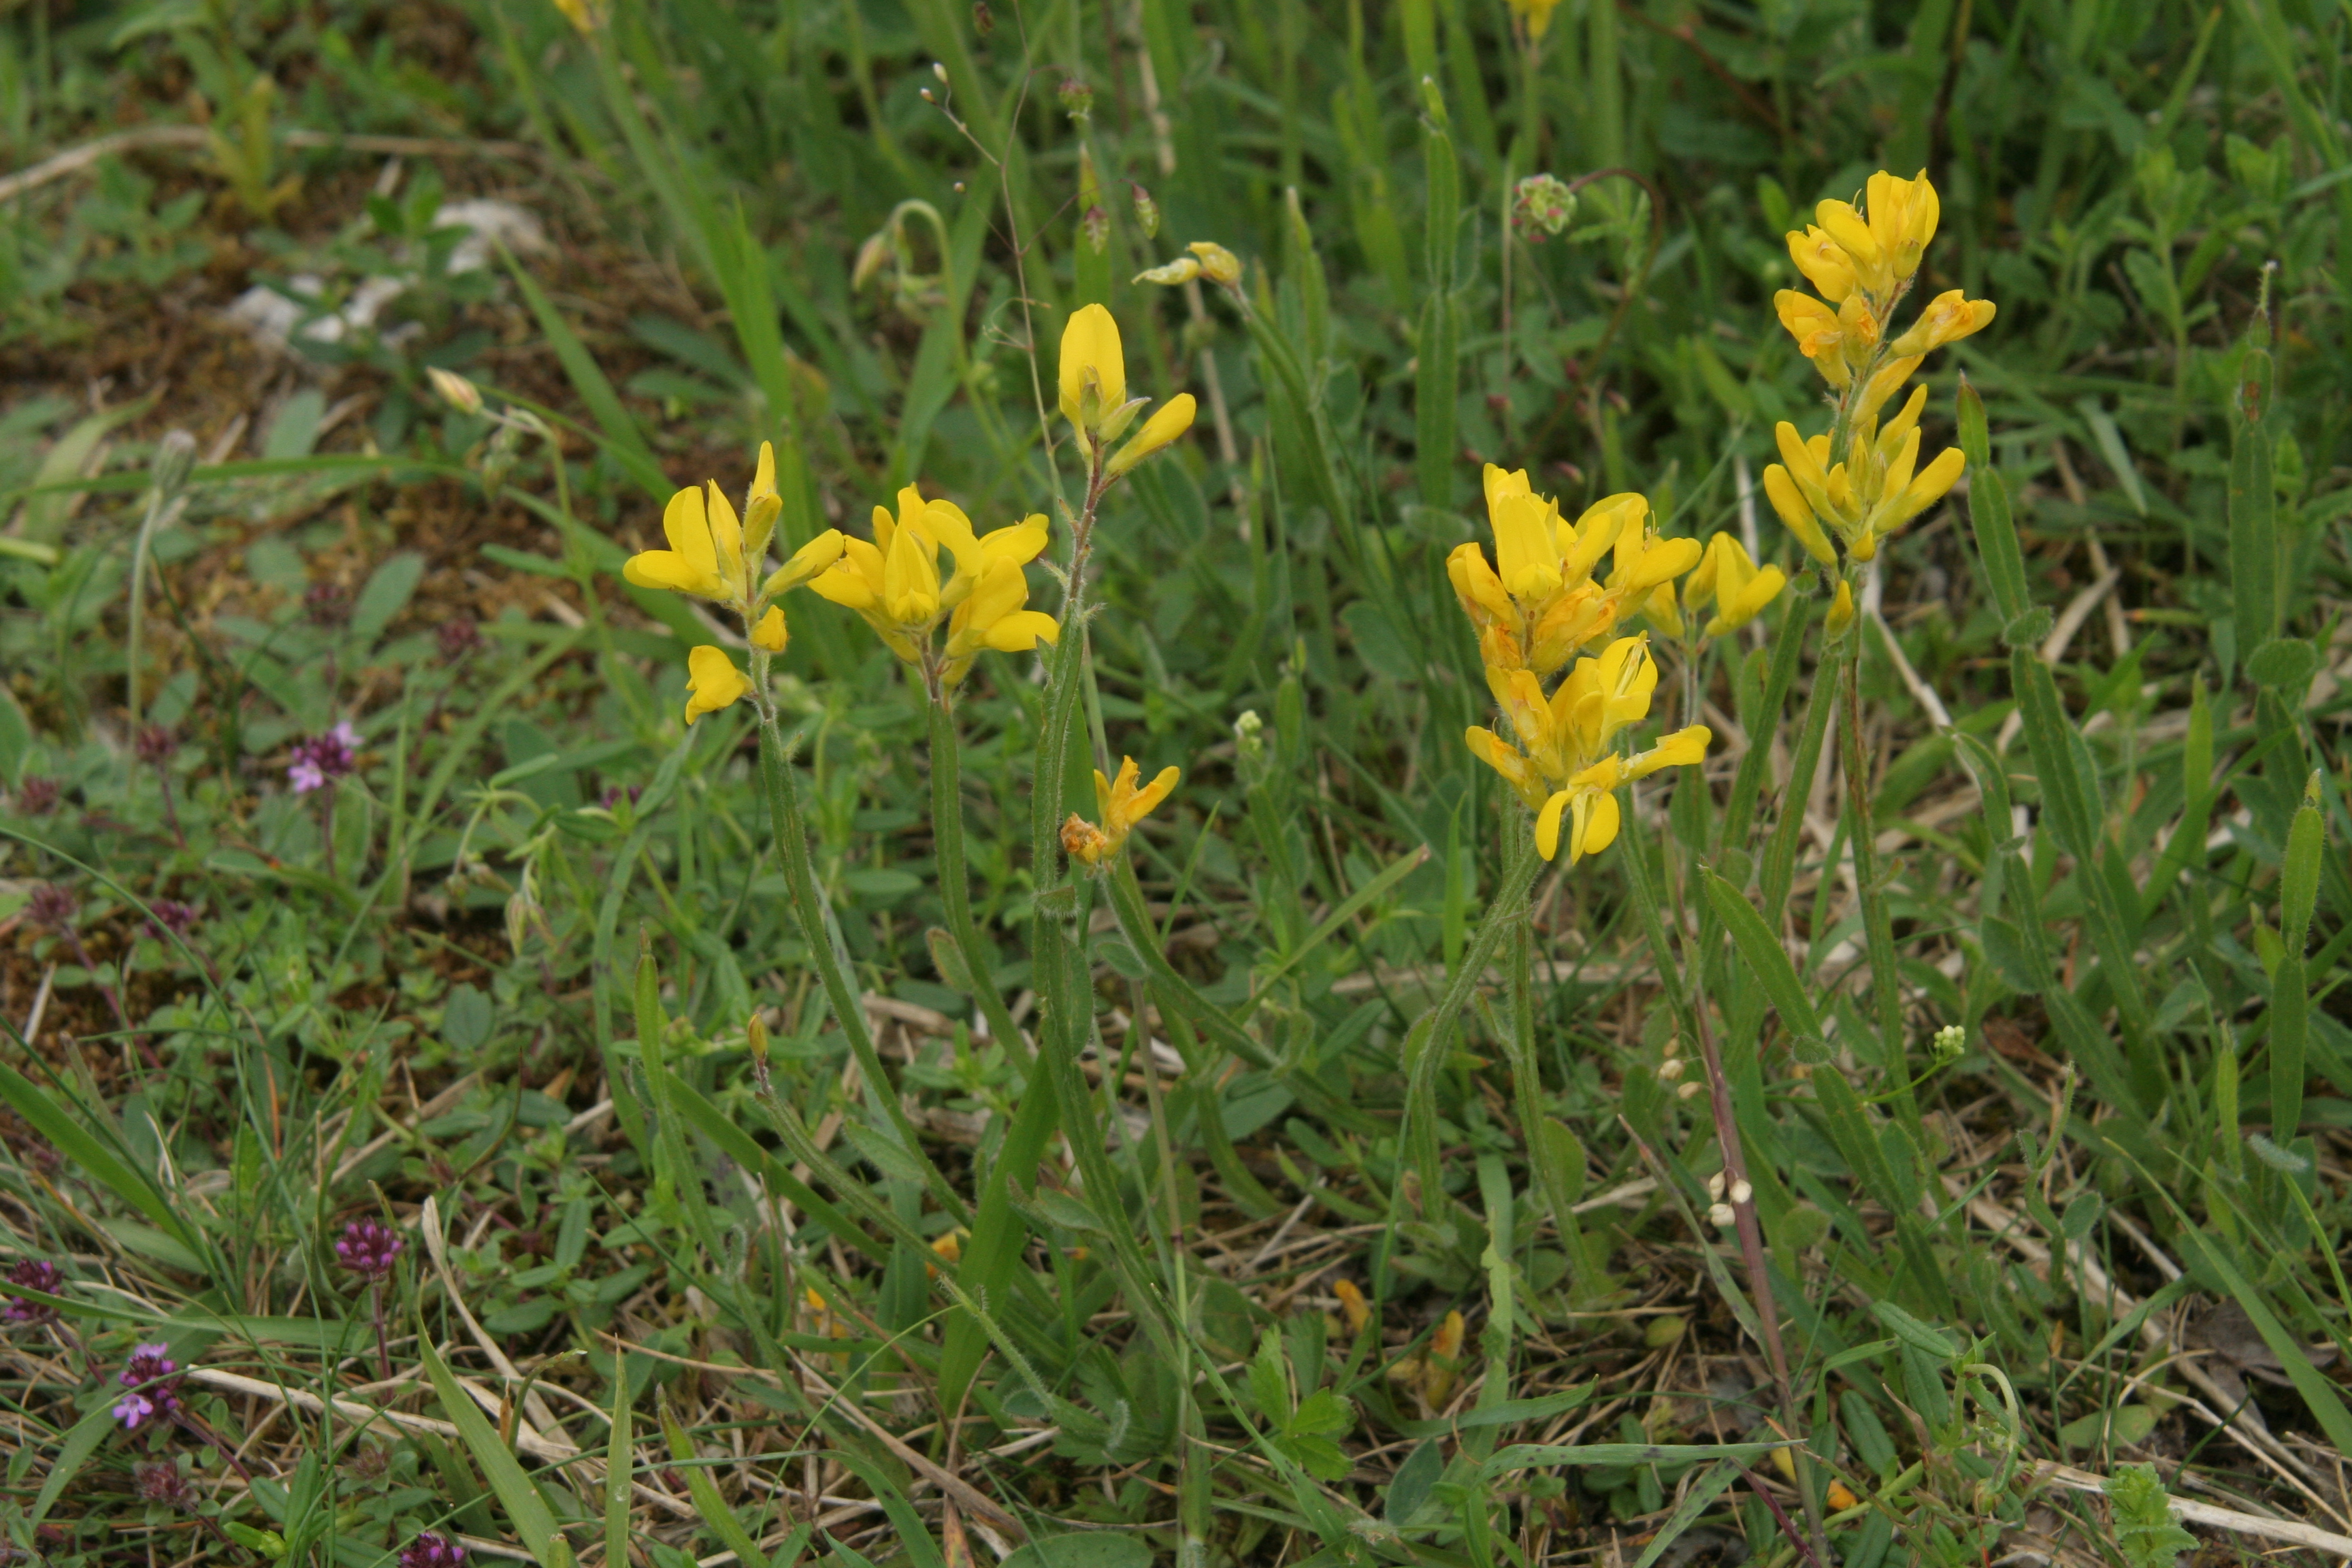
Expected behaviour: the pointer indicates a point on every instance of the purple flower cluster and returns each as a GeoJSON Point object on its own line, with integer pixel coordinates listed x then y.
{"type": "Point", "coordinates": [38, 795]}
{"type": "Point", "coordinates": [322, 759]}
{"type": "Point", "coordinates": [155, 745]}
{"type": "Point", "coordinates": [173, 916]}
{"type": "Point", "coordinates": [32, 1274]}
{"type": "Point", "coordinates": [161, 1481]}
{"type": "Point", "coordinates": [457, 637]}
{"type": "Point", "coordinates": [155, 1392]}
{"type": "Point", "coordinates": [52, 905]}
{"type": "Point", "coordinates": [367, 1249]}
{"type": "Point", "coordinates": [431, 1550]}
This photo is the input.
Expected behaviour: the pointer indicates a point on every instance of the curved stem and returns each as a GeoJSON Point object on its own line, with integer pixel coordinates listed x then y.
{"type": "Point", "coordinates": [955, 891]}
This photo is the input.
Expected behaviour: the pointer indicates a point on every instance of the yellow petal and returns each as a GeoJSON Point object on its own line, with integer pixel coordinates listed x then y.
{"type": "Point", "coordinates": [1823, 261]}
{"type": "Point", "coordinates": [1093, 365]}
{"type": "Point", "coordinates": [770, 634]}
{"type": "Point", "coordinates": [1548, 825]}
{"type": "Point", "coordinates": [1841, 613]}
{"type": "Point", "coordinates": [712, 682]}
{"type": "Point", "coordinates": [1526, 549]}
{"type": "Point", "coordinates": [1020, 543]}
{"type": "Point", "coordinates": [1600, 825]}
{"type": "Point", "coordinates": [808, 562]}
{"type": "Point", "coordinates": [688, 531]}
{"type": "Point", "coordinates": [727, 542]}
{"type": "Point", "coordinates": [1218, 265]}
{"type": "Point", "coordinates": [910, 581]}
{"type": "Point", "coordinates": [1173, 420]}
{"type": "Point", "coordinates": [762, 505]}
{"type": "Point", "coordinates": [1682, 749]}
{"type": "Point", "coordinates": [1151, 794]}
{"type": "Point", "coordinates": [668, 569]}
{"type": "Point", "coordinates": [1022, 630]}
{"type": "Point", "coordinates": [1781, 491]}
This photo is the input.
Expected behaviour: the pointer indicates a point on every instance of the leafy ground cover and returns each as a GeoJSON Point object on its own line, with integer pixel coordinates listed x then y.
{"type": "Point", "coordinates": [511, 1052]}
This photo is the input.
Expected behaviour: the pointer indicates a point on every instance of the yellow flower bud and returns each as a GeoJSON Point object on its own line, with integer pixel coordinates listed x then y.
{"type": "Point", "coordinates": [1174, 418]}
{"type": "Point", "coordinates": [1841, 613]}
{"type": "Point", "coordinates": [1218, 265]}
{"type": "Point", "coordinates": [1093, 370]}
{"type": "Point", "coordinates": [712, 682]}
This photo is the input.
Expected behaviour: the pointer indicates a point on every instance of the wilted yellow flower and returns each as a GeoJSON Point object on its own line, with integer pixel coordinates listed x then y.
{"type": "Point", "coordinates": [1122, 804]}
{"type": "Point", "coordinates": [454, 390]}
{"type": "Point", "coordinates": [712, 682]}
{"type": "Point", "coordinates": [1728, 578]}
{"type": "Point", "coordinates": [1352, 1302]}
{"type": "Point", "coordinates": [1218, 265]}
{"type": "Point", "coordinates": [895, 585]}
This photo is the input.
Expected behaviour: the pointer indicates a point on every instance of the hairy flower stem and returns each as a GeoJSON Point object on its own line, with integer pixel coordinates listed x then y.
{"type": "Point", "coordinates": [1886, 980]}
{"type": "Point", "coordinates": [791, 834]}
{"type": "Point", "coordinates": [382, 1332]}
{"type": "Point", "coordinates": [1424, 1046]}
{"type": "Point", "coordinates": [955, 891]}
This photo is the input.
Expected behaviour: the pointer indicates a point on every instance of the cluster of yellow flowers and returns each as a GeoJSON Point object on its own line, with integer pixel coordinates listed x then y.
{"type": "Point", "coordinates": [894, 582]}
{"type": "Point", "coordinates": [1538, 605]}
{"type": "Point", "coordinates": [1859, 480]}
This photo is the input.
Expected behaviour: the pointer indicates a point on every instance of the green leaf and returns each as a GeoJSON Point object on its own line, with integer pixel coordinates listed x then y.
{"type": "Point", "coordinates": [1322, 1414]}
{"type": "Point", "coordinates": [708, 1500]}
{"type": "Point", "coordinates": [2013, 956]}
{"type": "Point", "coordinates": [533, 1520]}
{"type": "Point", "coordinates": [1768, 961]}
{"type": "Point", "coordinates": [1695, 1501]}
{"type": "Point", "coordinates": [1988, 512]}
{"type": "Point", "coordinates": [1911, 1330]}
{"type": "Point", "coordinates": [1414, 1481]}
{"type": "Point", "coordinates": [76, 1143]}
{"type": "Point", "coordinates": [2282, 664]}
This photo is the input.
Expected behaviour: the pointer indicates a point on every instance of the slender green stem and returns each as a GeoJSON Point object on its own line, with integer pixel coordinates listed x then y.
{"type": "Point", "coordinates": [955, 891]}
{"type": "Point", "coordinates": [1424, 1048]}
{"type": "Point", "coordinates": [1878, 933]}
{"type": "Point", "coordinates": [1781, 852]}
{"type": "Point", "coordinates": [1526, 1082]}
{"type": "Point", "coordinates": [791, 834]}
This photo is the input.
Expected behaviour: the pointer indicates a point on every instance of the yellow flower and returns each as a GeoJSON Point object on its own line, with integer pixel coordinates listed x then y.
{"type": "Point", "coordinates": [1122, 804]}
{"type": "Point", "coordinates": [1534, 14]}
{"type": "Point", "coordinates": [1902, 215]}
{"type": "Point", "coordinates": [712, 682]}
{"type": "Point", "coordinates": [1174, 418]}
{"type": "Point", "coordinates": [1218, 265]}
{"type": "Point", "coordinates": [1841, 613]}
{"type": "Point", "coordinates": [1819, 336]}
{"type": "Point", "coordinates": [714, 554]}
{"type": "Point", "coordinates": [1947, 318]}
{"type": "Point", "coordinates": [1871, 495]}
{"type": "Point", "coordinates": [1823, 262]}
{"type": "Point", "coordinates": [1730, 579]}
{"type": "Point", "coordinates": [1781, 491]}
{"type": "Point", "coordinates": [994, 616]}
{"type": "Point", "coordinates": [893, 583]}
{"type": "Point", "coordinates": [1568, 765]}
{"type": "Point", "coordinates": [1539, 603]}
{"type": "Point", "coordinates": [1094, 375]}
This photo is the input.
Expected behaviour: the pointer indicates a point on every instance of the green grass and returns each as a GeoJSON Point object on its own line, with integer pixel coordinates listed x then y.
{"type": "Point", "coordinates": [1346, 1196]}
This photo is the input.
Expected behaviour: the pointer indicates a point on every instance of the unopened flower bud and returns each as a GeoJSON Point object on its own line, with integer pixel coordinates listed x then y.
{"type": "Point", "coordinates": [1542, 205]}
{"type": "Point", "coordinates": [1147, 211]}
{"type": "Point", "coordinates": [1949, 1042]}
{"type": "Point", "coordinates": [1691, 1090]}
{"type": "Point", "coordinates": [1671, 1068]}
{"type": "Point", "coordinates": [454, 390]}
{"type": "Point", "coordinates": [1721, 1217]}
{"type": "Point", "coordinates": [1077, 97]}
{"type": "Point", "coordinates": [1715, 1185]}
{"type": "Point", "coordinates": [941, 71]}
{"type": "Point", "coordinates": [1741, 1192]}
{"type": "Point", "coordinates": [755, 1035]}
{"type": "Point", "coordinates": [983, 20]}
{"type": "Point", "coordinates": [1096, 227]}
{"type": "Point", "coordinates": [176, 454]}
{"type": "Point", "coordinates": [1218, 265]}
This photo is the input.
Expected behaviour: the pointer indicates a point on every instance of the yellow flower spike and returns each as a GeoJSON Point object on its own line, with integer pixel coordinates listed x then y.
{"type": "Point", "coordinates": [690, 564]}
{"type": "Point", "coordinates": [769, 635]}
{"type": "Point", "coordinates": [1218, 265]}
{"type": "Point", "coordinates": [1506, 760]}
{"type": "Point", "coordinates": [1122, 804]}
{"type": "Point", "coordinates": [712, 682]}
{"type": "Point", "coordinates": [1094, 375]}
{"type": "Point", "coordinates": [1902, 217]}
{"type": "Point", "coordinates": [1173, 418]}
{"type": "Point", "coordinates": [1841, 613]}
{"type": "Point", "coordinates": [1946, 319]}
{"type": "Point", "coordinates": [1824, 263]}
{"type": "Point", "coordinates": [1781, 491]}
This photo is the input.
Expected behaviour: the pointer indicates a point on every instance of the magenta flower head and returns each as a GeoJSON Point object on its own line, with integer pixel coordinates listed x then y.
{"type": "Point", "coordinates": [431, 1550]}
{"type": "Point", "coordinates": [173, 917]}
{"type": "Point", "coordinates": [53, 906]}
{"type": "Point", "coordinates": [367, 1249]}
{"type": "Point", "coordinates": [154, 1390]}
{"type": "Point", "coordinates": [162, 1481]}
{"type": "Point", "coordinates": [322, 759]}
{"type": "Point", "coordinates": [38, 795]}
{"type": "Point", "coordinates": [32, 1274]}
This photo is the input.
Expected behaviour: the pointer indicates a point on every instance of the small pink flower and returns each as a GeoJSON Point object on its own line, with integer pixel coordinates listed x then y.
{"type": "Point", "coordinates": [320, 760]}
{"type": "Point", "coordinates": [134, 1409]}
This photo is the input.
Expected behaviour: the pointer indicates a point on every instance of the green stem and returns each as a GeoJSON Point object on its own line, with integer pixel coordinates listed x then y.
{"type": "Point", "coordinates": [1424, 1046]}
{"type": "Point", "coordinates": [955, 891]}
{"type": "Point", "coordinates": [800, 876]}
{"type": "Point", "coordinates": [1878, 933]}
